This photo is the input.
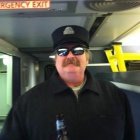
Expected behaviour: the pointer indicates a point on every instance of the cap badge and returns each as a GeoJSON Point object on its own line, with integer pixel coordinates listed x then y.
{"type": "Point", "coordinates": [68, 30]}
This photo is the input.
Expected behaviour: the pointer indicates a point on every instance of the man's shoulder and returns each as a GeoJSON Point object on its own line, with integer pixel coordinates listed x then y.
{"type": "Point", "coordinates": [35, 92]}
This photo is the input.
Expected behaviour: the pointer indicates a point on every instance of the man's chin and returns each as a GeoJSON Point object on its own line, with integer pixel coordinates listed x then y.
{"type": "Point", "coordinates": [71, 77]}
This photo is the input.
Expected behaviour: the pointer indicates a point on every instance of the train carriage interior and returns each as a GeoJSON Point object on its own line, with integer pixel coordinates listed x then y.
{"type": "Point", "coordinates": [26, 45]}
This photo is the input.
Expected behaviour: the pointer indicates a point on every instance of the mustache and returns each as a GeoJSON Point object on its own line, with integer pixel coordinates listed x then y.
{"type": "Point", "coordinates": [73, 61]}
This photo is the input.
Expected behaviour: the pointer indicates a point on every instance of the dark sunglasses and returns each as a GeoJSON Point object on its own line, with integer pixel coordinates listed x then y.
{"type": "Point", "coordinates": [77, 50]}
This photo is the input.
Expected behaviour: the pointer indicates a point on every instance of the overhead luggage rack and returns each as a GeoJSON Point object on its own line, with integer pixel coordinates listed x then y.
{"type": "Point", "coordinates": [118, 59]}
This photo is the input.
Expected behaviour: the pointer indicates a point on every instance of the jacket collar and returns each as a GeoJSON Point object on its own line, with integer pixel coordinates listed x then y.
{"type": "Point", "coordinates": [57, 85]}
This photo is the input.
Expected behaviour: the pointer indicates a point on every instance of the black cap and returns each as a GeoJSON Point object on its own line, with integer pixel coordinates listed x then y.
{"type": "Point", "coordinates": [70, 34]}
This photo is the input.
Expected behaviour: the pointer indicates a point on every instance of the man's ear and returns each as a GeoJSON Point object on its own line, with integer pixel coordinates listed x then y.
{"type": "Point", "coordinates": [87, 62]}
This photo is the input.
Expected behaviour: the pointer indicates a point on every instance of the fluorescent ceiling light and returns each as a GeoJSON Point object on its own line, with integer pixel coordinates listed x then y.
{"type": "Point", "coordinates": [131, 39]}
{"type": "Point", "coordinates": [52, 56]}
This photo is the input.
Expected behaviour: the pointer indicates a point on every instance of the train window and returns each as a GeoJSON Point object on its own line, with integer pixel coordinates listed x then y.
{"type": "Point", "coordinates": [5, 84]}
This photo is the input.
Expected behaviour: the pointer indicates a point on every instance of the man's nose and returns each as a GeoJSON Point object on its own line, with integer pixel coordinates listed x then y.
{"type": "Point", "coordinates": [70, 54]}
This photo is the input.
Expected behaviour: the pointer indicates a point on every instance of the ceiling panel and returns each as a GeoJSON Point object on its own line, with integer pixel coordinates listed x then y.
{"type": "Point", "coordinates": [114, 26]}
{"type": "Point", "coordinates": [30, 29]}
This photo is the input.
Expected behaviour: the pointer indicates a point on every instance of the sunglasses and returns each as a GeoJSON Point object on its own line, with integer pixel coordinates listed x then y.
{"type": "Point", "coordinates": [76, 50]}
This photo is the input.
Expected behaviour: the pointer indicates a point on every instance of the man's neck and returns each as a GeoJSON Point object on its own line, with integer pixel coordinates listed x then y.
{"type": "Point", "coordinates": [73, 84]}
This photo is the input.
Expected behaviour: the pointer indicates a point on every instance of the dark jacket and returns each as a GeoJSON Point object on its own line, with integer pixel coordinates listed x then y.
{"type": "Point", "coordinates": [101, 112]}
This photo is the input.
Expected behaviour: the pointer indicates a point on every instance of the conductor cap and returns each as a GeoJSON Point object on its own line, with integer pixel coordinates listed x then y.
{"type": "Point", "coordinates": [70, 34]}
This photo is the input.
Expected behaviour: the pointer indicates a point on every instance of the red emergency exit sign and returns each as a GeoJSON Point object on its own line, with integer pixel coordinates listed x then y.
{"type": "Point", "coordinates": [24, 4]}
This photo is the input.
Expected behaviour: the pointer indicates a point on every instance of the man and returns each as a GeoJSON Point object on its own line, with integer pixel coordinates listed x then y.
{"type": "Point", "coordinates": [92, 109]}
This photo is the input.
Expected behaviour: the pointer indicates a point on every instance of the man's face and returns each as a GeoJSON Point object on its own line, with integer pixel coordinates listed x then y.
{"type": "Point", "coordinates": [71, 67]}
